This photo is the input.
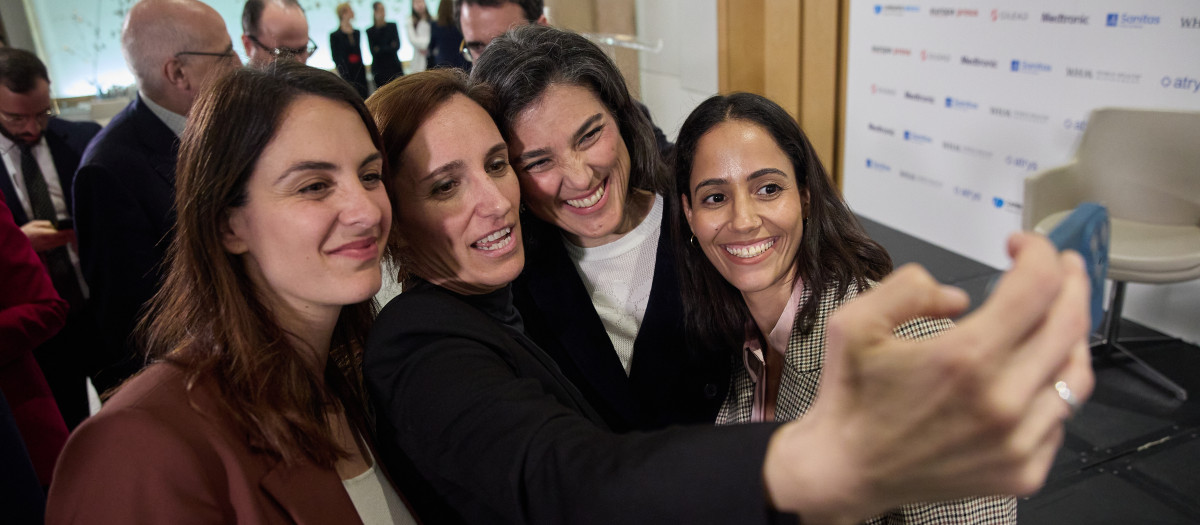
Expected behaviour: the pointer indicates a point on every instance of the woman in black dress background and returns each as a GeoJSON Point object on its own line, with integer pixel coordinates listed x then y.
{"type": "Point", "coordinates": [344, 45]}
{"type": "Point", "coordinates": [384, 40]}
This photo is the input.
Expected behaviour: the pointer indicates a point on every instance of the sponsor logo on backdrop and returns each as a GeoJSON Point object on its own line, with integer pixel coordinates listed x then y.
{"type": "Point", "coordinates": [966, 150]}
{"type": "Point", "coordinates": [1085, 73]}
{"type": "Point", "coordinates": [896, 9]}
{"type": "Point", "coordinates": [1018, 114]}
{"type": "Point", "coordinates": [877, 166]}
{"type": "Point", "coordinates": [1131, 21]}
{"type": "Point", "coordinates": [1009, 16]}
{"type": "Point", "coordinates": [920, 179]}
{"type": "Point", "coordinates": [912, 136]}
{"type": "Point", "coordinates": [1006, 205]}
{"type": "Point", "coordinates": [877, 89]}
{"type": "Point", "coordinates": [880, 129]}
{"type": "Point", "coordinates": [962, 104]}
{"type": "Point", "coordinates": [950, 12]}
{"type": "Point", "coordinates": [1020, 163]}
{"type": "Point", "coordinates": [1185, 83]}
{"type": "Point", "coordinates": [1075, 124]}
{"type": "Point", "coordinates": [980, 62]}
{"type": "Point", "coordinates": [1032, 68]}
{"type": "Point", "coordinates": [918, 97]}
{"type": "Point", "coordinates": [1192, 22]}
{"type": "Point", "coordinates": [934, 56]}
{"type": "Point", "coordinates": [968, 193]}
{"type": "Point", "coordinates": [1065, 19]}
{"type": "Point", "coordinates": [885, 50]}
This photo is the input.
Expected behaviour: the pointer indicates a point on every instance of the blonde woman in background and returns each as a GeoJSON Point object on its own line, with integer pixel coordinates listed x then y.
{"type": "Point", "coordinates": [417, 32]}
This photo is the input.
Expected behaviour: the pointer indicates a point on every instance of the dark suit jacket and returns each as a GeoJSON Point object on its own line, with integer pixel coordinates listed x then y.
{"type": "Point", "coordinates": [30, 313]}
{"type": "Point", "coordinates": [472, 410]}
{"type": "Point", "coordinates": [124, 216]}
{"type": "Point", "coordinates": [158, 454]}
{"type": "Point", "coordinates": [66, 141]}
{"type": "Point", "coordinates": [669, 383]}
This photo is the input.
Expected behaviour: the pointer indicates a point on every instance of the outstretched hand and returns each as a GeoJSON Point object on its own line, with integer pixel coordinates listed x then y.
{"type": "Point", "coordinates": [972, 412]}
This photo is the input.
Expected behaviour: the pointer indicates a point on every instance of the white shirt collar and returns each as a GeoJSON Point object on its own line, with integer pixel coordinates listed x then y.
{"type": "Point", "coordinates": [173, 120]}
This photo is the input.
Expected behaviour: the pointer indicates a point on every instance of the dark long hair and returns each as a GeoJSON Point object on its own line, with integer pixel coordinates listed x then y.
{"type": "Point", "coordinates": [400, 107]}
{"type": "Point", "coordinates": [209, 317]}
{"type": "Point", "coordinates": [834, 251]}
{"type": "Point", "coordinates": [522, 63]}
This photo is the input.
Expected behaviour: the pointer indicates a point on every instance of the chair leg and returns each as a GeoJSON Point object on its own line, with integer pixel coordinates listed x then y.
{"type": "Point", "coordinates": [1110, 342]}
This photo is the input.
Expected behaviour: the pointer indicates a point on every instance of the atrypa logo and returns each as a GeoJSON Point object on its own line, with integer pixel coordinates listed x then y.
{"type": "Point", "coordinates": [1184, 83]}
{"type": "Point", "coordinates": [1131, 21]}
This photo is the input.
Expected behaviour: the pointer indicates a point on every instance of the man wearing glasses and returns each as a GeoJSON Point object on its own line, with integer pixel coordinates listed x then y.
{"type": "Point", "coordinates": [125, 187]}
{"type": "Point", "coordinates": [39, 156]}
{"type": "Point", "coordinates": [275, 29]}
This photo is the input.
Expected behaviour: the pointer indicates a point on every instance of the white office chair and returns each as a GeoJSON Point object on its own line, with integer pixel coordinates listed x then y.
{"type": "Point", "coordinates": [1144, 166]}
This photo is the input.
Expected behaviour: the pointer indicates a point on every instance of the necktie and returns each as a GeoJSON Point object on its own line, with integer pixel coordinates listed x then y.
{"type": "Point", "coordinates": [57, 260]}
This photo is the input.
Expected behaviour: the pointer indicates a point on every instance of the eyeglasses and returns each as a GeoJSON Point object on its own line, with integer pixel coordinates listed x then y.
{"type": "Point", "coordinates": [467, 50]}
{"type": "Point", "coordinates": [287, 52]}
{"type": "Point", "coordinates": [20, 120]}
{"type": "Point", "coordinates": [227, 54]}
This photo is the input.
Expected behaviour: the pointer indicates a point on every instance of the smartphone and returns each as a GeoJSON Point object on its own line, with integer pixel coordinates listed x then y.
{"type": "Point", "coordinates": [64, 224]}
{"type": "Point", "coordinates": [1086, 230]}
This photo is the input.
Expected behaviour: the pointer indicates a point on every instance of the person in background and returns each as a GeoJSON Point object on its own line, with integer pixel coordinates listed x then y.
{"type": "Point", "coordinates": [253, 410]}
{"type": "Point", "coordinates": [31, 312]}
{"type": "Point", "coordinates": [346, 48]}
{"type": "Point", "coordinates": [275, 29]}
{"type": "Point", "coordinates": [775, 251]}
{"type": "Point", "coordinates": [600, 291]}
{"type": "Point", "coordinates": [488, 430]}
{"type": "Point", "coordinates": [445, 40]}
{"type": "Point", "coordinates": [40, 155]}
{"type": "Point", "coordinates": [417, 31]}
{"type": "Point", "coordinates": [384, 39]}
{"type": "Point", "coordinates": [125, 187]}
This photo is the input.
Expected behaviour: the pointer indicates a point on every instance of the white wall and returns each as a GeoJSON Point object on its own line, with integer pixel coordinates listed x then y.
{"type": "Point", "coordinates": [675, 80]}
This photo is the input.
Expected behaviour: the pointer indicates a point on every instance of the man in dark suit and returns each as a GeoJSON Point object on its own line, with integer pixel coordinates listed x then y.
{"type": "Point", "coordinates": [40, 155]}
{"type": "Point", "coordinates": [125, 186]}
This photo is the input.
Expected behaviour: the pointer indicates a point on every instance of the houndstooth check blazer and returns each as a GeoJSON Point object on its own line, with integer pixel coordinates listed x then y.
{"type": "Point", "coordinates": [798, 387]}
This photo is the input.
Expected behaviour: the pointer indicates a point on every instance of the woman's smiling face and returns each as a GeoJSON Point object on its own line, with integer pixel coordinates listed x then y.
{"type": "Point", "coordinates": [745, 207]}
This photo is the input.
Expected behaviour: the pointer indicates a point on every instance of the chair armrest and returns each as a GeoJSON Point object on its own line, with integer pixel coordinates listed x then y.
{"type": "Point", "coordinates": [1050, 191]}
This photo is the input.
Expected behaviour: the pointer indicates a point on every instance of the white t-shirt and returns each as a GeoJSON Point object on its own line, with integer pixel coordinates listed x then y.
{"type": "Point", "coordinates": [618, 277]}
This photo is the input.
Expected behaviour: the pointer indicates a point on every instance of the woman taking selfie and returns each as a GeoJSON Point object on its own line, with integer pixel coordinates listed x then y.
{"type": "Point", "coordinates": [252, 409]}
{"type": "Point", "coordinates": [599, 292]}
{"type": "Point", "coordinates": [481, 426]}
{"type": "Point", "coordinates": [771, 251]}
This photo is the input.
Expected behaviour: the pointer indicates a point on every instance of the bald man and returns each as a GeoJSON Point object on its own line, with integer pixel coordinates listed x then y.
{"type": "Point", "coordinates": [275, 29]}
{"type": "Point", "coordinates": [125, 186]}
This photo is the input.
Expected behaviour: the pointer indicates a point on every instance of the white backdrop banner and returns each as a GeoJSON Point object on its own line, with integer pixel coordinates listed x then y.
{"type": "Point", "coordinates": [949, 105]}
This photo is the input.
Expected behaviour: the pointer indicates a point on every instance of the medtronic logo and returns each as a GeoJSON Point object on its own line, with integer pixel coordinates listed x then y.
{"type": "Point", "coordinates": [913, 136]}
{"type": "Point", "coordinates": [877, 166]}
{"type": "Point", "coordinates": [917, 97]}
{"type": "Point", "coordinates": [980, 62]}
{"type": "Point", "coordinates": [1060, 18]}
{"type": "Point", "coordinates": [1131, 21]}
{"type": "Point", "coordinates": [1034, 68]}
{"type": "Point", "coordinates": [880, 129]}
{"type": "Point", "coordinates": [958, 103]}
{"type": "Point", "coordinates": [1181, 83]}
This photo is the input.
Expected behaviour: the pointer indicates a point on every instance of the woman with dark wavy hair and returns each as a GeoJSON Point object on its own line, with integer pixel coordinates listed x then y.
{"type": "Point", "coordinates": [771, 251]}
{"type": "Point", "coordinates": [252, 409]}
{"type": "Point", "coordinates": [599, 292]}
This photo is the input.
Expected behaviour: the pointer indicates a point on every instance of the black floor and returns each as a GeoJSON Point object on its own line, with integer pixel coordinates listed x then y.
{"type": "Point", "coordinates": [1132, 454]}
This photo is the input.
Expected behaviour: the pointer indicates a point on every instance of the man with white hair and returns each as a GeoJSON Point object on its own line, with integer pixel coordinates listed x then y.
{"type": "Point", "coordinates": [125, 187]}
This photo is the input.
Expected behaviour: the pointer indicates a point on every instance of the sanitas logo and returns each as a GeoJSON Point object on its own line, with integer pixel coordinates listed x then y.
{"type": "Point", "coordinates": [877, 166]}
{"type": "Point", "coordinates": [913, 136]}
{"type": "Point", "coordinates": [880, 129]}
{"type": "Point", "coordinates": [980, 62]}
{"type": "Point", "coordinates": [1189, 22]}
{"type": "Point", "coordinates": [1009, 16]}
{"type": "Point", "coordinates": [917, 97]}
{"type": "Point", "coordinates": [1060, 18]}
{"type": "Point", "coordinates": [1033, 68]}
{"type": "Point", "coordinates": [958, 103]}
{"type": "Point", "coordinates": [1131, 21]}
{"type": "Point", "coordinates": [1181, 83]}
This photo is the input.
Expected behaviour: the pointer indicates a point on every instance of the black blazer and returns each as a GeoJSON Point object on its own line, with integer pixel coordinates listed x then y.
{"type": "Point", "coordinates": [477, 424]}
{"type": "Point", "coordinates": [124, 217]}
{"type": "Point", "coordinates": [669, 382]}
{"type": "Point", "coordinates": [66, 141]}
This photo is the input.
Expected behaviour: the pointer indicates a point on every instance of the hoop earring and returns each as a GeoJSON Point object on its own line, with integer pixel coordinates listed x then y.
{"type": "Point", "coordinates": [692, 241]}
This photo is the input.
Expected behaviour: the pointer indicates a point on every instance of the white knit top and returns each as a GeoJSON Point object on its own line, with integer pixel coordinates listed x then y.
{"type": "Point", "coordinates": [618, 277]}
